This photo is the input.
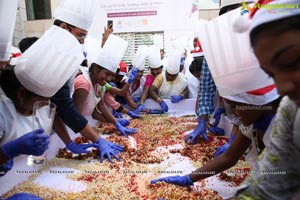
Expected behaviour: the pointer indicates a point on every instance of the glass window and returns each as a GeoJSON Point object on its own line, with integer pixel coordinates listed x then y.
{"type": "Point", "coordinates": [38, 9]}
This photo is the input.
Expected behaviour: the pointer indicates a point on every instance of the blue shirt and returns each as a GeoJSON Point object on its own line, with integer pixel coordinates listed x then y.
{"type": "Point", "coordinates": [67, 111]}
{"type": "Point", "coordinates": [207, 91]}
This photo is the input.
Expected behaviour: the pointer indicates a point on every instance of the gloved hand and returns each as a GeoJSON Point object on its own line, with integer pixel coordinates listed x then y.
{"type": "Point", "coordinates": [131, 75]}
{"type": "Point", "coordinates": [22, 196]}
{"type": "Point", "coordinates": [164, 106]}
{"type": "Point", "coordinates": [117, 114]}
{"type": "Point", "coordinates": [108, 148]}
{"type": "Point", "coordinates": [177, 180]}
{"type": "Point", "coordinates": [6, 167]}
{"type": "Point", "coordinates": [124, 131]}
{"type": "Point", "coordinates": [216, 130]}
{"type": "Point", "coordinates": [224, 147]}
{"type": "Point", "coordinates": [32, 143]}
{"type": "Point", "coordinates": [78, 148]}
{"type": "Point", "coordinates": [136, 99]}
{"type": "Point", "coordinates": [139, 108]}
{"type": "Point", "coordinates": [133, 114]}
{"type": "Point", "coordinates": [199, 130]}
{"type": "Point", "coordinates": [123, 122]}
{"type": "Point", "coordinates": [217, 116]}
{"type": "Point", "coordinates": [176, 98]}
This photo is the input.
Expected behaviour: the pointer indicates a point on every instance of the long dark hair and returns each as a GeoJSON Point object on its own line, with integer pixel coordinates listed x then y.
{"type": "Point", "coordinates": [275, 27]}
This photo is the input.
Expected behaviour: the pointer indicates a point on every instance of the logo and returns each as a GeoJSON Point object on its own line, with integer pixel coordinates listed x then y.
{"type": "Point", "coordinates": [270, 7]}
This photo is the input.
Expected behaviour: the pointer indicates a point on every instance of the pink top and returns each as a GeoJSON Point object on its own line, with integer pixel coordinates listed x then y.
{"type": "Point", "coordinates": [149, 80]}
{"type": "Point", "coordinates": [82, 83]}
{"type": "Point", "coordinates": [110, 101]}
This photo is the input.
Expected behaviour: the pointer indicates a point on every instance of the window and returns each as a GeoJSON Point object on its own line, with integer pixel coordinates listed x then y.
{"type": "Point", "coordinates": [134, 41]}
{"type": "Point", "coordinates": [38, 9]}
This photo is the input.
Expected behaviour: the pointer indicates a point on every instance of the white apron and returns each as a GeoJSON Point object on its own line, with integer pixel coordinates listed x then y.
{"type": "Point", "coordinates": [166, 90]}
{"type": "Point", "coordinates": [139, 91]}
{"type": "Point", "coordinates": [92, 100]}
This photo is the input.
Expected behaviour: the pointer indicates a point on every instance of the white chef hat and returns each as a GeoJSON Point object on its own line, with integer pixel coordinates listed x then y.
{"type": "Point", "coordinates": [8, 14]}
{"type": "Point", "coordinates": [174, 62]}
{"type": "Point", "coordinates": [47, 65]}
{"type": "Point", "coordinates": [230, 58]}
{"type": "Point", "coordinates": [111, 54]}
{"type": "Point", "coordinates": [154, 57]}
{"type": "Point", "coordinates": [79, 13]}
{"type": "Point", "coordinates": [140, 56]}
{"type": "Point", "coordinates": [258, 97]}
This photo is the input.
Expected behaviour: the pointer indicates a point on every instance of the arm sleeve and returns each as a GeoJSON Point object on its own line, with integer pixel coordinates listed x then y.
{"type": "Point", "coordinates": [82, 83]}
{"type": "Point", "coordinates": [110, 101]}
{"type": "Point", "coordinates": [149, 80]}
{"type": "Point", "coordinates": [67, 110]}
{"type": "Point", "coordinates": [158, 81]}
{"type": "Point", "coordinates": [206, 93]}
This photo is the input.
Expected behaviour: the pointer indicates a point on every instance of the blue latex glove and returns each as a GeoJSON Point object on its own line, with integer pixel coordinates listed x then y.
{"type": "Point", "coordinates": [117, 114]}
{"type": "Point", "coordinates": [6, 167]}
{"type": "Point", "coordinates": [32, 143]}
{"type": "Point", "coordinates": [139, 108]}
{"type": "Point", "coordinates": [23, 196]}
{"type": "Point", "coordinates": [176, 98]}
{"type": "Point", "coordinates": [133, 114]}
{"type": "Point", "coordinates": [124, 131]}
{"type": "Point", "coordinates": [177, 180]}
{"type": "Point", "coordinates": [199, 130]}
{"type": "Point", "coordinates": [123, 122]}
{"type": "Point", "coordinates": [78, 148]}
{"type": "Point", "coordinates": [216, 130]}
{"type": "Point", "coordinates": [136, 99]}
{"type": "Point", "coordinates": [164, 106]}
{"type": "Point", "coordinates": [217, 116]}
{"type": "Point", "coordinates": [131, 75]}
{"type": "Point", "coordinates": [107, 149]}
{"type": "Point", "coordinates": [224, 147]}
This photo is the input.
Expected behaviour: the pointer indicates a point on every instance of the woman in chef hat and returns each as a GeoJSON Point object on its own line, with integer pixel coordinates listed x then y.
{"type": "Point", "coordinates": [274, 36]}
{"type": "Point", "coordinates": [170, 84]}
{"type": "Point", "coordinates": [28, 82]}
{"type": "Point", "coordinates": [91, 85]}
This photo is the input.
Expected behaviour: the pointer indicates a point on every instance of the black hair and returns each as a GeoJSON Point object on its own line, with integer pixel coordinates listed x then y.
{"type": "Point", "coordinates": [228, 8]}
{"type": "Point", "coordinates": [95, 66]}
{"type": "Point", "coordinates": [58, 22]}
{"type": "Point", "coordinates": [196, 65]}
{"type": "Point", "coordinates": [25, 43]}
{"type": "Point", "coordinates": [10, 84]}
{"type": "Point", "coordinates": [275, 27]}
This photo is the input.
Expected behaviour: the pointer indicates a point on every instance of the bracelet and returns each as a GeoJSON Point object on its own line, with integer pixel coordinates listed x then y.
{"type": "Point", "coordinates": [120, 109]}
{"type": "Point", "coordinates": [158, 99]}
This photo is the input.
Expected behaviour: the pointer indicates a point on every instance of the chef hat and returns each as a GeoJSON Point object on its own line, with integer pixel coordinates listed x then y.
{"type": "Point", "coordinates": [79, 13]}
{"type": "Point", "coordinates": [154, 57]}
{"type": "Point", "coordinates": [8, 14]}
{"type": "Point", "coordinates": [197, 52]}
{"type": "Point", "coordinates": [258, 97]}
{"type": "Point", "coordinates": [47, 65]}
{"type": "Point", "coordinates": [174, 62]}
{"type": "Point", "coordinates": [111, 54]}
{"type": "Point", "coordinates": [230, 58]}
{"type": "Point", "coordinates": [123, 68]}
{"type": "Point", "coordinates": [139, 57]}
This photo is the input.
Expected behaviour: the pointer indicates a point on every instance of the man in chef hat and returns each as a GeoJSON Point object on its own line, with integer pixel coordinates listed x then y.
{"type": "Point", "coordinates": [170, 84]}
{"type": "Point", "coordinates": [27, 82]}
{"type": "Point", "coordinates": [76, 17]}
{"type": "Point", "coordinates": [8, 14]}
{"type": "Point", "coordinates": [207, 90]}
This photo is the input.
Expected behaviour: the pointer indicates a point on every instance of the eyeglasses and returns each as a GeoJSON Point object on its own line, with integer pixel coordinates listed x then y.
{"type": "Point", "coordinates": [77, 33]}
